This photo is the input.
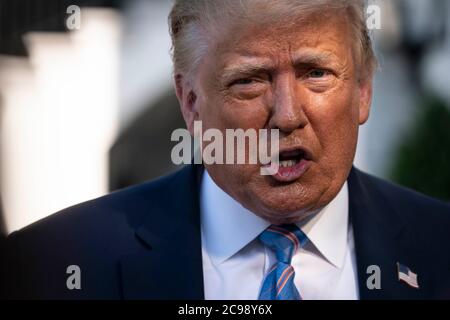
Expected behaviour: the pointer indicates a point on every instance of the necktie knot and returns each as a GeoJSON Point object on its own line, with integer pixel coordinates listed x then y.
{"type": "Point", "coordinates": [284, 240]}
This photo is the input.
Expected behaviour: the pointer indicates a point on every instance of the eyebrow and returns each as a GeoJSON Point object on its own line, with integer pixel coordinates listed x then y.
{"type": "Point", "coordinates": [305, 58]}
{"type": "Point", "coordinates": [313, 58]}
{"type": "Point", "coordinates": [246, 69]}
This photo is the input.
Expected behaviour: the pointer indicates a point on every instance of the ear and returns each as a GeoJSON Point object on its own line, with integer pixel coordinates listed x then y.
{"type": "Point", "coordinates": [187, 99]}
{"type": "Point", "coordinates": [365, 99]}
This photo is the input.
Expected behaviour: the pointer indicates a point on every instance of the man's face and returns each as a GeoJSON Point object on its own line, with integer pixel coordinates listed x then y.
{"type": "Point", "coordinates": [304, 81]}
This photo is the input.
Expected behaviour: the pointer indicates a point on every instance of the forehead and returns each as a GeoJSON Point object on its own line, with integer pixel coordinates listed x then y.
{"type": "Point", "coordinates": [327, 36]}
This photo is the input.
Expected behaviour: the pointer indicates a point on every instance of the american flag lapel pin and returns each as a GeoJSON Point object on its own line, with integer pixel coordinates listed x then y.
{"type": "Point", "coordinates": [407, 276]}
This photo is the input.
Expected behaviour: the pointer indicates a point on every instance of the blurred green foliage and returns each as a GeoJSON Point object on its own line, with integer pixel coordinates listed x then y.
{"type": "Point", "coordinates": [423, 159]}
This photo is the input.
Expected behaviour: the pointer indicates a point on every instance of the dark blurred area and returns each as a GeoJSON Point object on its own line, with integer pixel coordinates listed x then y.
{"type": "Point", "coordinates": [142, 151]}
{"type": "Point", "coordinates": [422, 159]}
{"type": "Point", "coordinates": [17, 17]}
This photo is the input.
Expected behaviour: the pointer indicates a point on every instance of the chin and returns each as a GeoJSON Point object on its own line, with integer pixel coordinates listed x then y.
{"type": "Point", "coordinates": [286, 203]}
{"type": "Point", "coordinates": [279, 219]}
{"type": "Point", "coordinates": [279, 210]}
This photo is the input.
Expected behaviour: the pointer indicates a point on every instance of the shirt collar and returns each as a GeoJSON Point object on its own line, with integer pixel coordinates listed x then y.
{"type": "Point", "coordinates": [328, 229]}
{"type": "Point", "coordinates": [227, 227]}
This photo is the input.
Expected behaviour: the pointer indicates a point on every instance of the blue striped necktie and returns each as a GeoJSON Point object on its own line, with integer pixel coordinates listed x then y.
{"type": "Point", "coordinates": [279, 282]}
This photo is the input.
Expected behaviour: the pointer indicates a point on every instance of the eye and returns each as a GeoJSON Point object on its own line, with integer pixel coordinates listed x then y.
{"type": "Point", "coordinates": [242, 81]}
{"type": "Point", "coordinates": [317, 73]}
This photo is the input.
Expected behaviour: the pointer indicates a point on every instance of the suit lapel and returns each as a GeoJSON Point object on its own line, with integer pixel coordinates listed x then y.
{"type": "Point", "coordinates": [168, 264]}
{"type": "Point", "coordinates": [380, 240]}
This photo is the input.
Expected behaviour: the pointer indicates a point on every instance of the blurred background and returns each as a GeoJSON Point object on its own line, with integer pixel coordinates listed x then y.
{"type": "Point", "coordinates": [87, 104]}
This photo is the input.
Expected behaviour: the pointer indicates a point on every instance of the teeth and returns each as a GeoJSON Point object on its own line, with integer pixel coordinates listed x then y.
{"type": "Point", "coordinates": [288, 163]}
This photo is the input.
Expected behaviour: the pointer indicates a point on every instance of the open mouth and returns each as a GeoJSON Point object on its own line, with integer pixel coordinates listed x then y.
{"type": "Point", "coordinates": [292, 164]}
{"type": "Point", "coordinates": [291, 158]}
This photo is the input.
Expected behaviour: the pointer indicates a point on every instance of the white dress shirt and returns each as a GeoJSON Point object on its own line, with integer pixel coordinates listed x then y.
{"type": "Point", "coordinates": [235, 261]}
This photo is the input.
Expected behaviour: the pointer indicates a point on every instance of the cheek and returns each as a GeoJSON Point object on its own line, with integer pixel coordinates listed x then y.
{"type": "Point", "coordinates": [340, 103]}
{"type": "Point", "coordinates": [334, 119]}
{"type": "Point", "coordinates": [222, 114]}
{"type": "Point", "coordinates": [227, 114]}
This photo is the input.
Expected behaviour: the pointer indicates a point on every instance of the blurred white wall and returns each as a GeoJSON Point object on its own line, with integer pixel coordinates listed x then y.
{"type": "Point", "coordinates": [60, 116]}
{"type": "Point", "coordinates": [146, 66]}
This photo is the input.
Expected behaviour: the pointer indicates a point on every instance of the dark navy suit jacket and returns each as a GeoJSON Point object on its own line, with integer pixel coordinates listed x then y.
{"type": "Point", "coordinates": [144, 242]}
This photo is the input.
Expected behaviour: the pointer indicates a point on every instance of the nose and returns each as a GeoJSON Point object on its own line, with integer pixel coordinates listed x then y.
{"type": "Point", "coordinates": [287, 106]}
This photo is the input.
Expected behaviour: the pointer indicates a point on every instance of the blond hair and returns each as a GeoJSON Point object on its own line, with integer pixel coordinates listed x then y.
{"type": "Point", "coordinates": [194, 23]}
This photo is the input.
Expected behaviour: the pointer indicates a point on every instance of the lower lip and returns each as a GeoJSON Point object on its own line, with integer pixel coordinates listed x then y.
{"type": "Point", "coordinates": [289, 174]}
